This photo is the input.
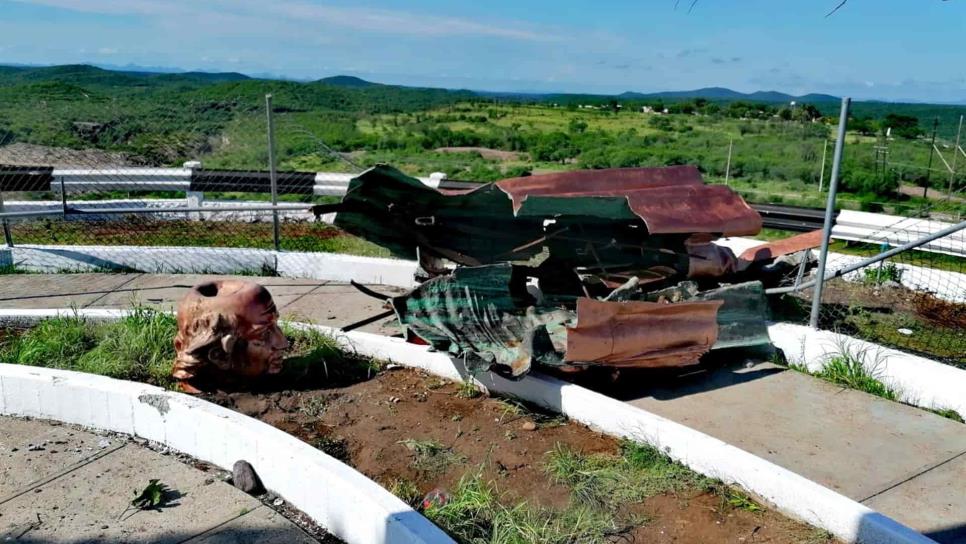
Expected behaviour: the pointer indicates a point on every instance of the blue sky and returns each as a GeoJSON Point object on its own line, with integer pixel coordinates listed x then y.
{"type": "Point", "coordinates": [885, 49]}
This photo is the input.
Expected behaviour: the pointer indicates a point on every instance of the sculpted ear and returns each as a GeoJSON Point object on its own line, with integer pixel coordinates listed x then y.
{"type": "Point", "coordinates": [228, 343]}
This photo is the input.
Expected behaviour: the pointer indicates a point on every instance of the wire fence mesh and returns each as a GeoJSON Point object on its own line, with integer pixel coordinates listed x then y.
{"type": "Point", "coordinates": [914, 300]}
{"type": "Point", "coordinates": [100, 186]}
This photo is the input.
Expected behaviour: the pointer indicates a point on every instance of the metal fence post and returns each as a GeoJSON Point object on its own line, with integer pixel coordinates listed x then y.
{"type": "Point", "coordinates": [7, 237]}
{"type": "Point", "coordinates": [273, 176]}
{"type": "Point", "coordinates": [833, 187]}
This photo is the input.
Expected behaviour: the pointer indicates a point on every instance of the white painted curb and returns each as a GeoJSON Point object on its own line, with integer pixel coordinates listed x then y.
{"type": "Point", "coordinates": [790, 493]}
{"type": "Point", "coordinates": [919, 381]}
{"type": "Point", "coordinates": [342, 500]}
{"type": "Point", "coordinates": [196, 260]}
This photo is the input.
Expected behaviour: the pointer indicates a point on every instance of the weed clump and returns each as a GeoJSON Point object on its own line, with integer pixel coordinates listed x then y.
{"type": "Point", "coordinates": [137, 347]}
{"type": "Point", "coordinates": [610, 481]}
{"type": "Point", "coordinates": [474, 514]}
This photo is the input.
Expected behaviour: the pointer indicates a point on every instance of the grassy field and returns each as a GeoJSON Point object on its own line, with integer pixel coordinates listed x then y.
{"type": "Point", "coordinates": [167, 119]}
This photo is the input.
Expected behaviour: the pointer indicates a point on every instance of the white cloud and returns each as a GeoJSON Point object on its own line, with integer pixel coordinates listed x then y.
{"type": "Point", "coordinates": [363, 19]}
{"type": "Point", "coordinates": [107, 51]}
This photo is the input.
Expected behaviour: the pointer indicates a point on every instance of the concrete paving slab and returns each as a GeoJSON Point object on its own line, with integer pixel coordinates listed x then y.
{"type": "Point", "coordinates": [86, 504]}
{"type": "Point", "coordinates": [849, 441]}
{"type": "Point", "coordinates": [62, 447]}
{"type": "Point", "coordinates": [337, 305]}
{"type": "Point", "coordinates": [945, 488]}
{"type": "Point", "coordinates": [260, 526]}
{"type": "Point", "coordinates": [165, 290]}
{"type": "Point", "coordinates": [60, 291]}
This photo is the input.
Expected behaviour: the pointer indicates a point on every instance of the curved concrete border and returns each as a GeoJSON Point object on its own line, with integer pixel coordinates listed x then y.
{"type": "Point", "coordinates": [342, 500]}
{"type": "Point", "coordinates": [919, 381]}
{"type": "Point", "coordinates": [790, 493]}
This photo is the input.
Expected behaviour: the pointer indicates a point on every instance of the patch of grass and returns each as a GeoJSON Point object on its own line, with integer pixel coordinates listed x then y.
{"type": "Point", "coordinates": [405, 490]}
{"type": "Point", "coordinates": [947, 413]}
{"type": "Point", "coordinates": [468, 390]}
{"type": "Point", "coordinates": [57, 342]}
{"type": "Point", "coordinates": [610, 481]}
{"type": "Point", "coordinates": [876, 275]}
{"type": "Point", "coordinates": [475, 513]}
{"type": "Point", "coordinates": [430, 456]}
{"type": "Point", "coordinates": [736, 498]}
{"type": "Point", "coordinates": [137, 347]}
{"type": "Point", "coordinates": [312, 406]}
{"type": "Point", "coordinates": [334, 446]}
{"type": "Point", "coordinates": [314, 355]}
{"type": "Point", "coordinates": [849, 371]}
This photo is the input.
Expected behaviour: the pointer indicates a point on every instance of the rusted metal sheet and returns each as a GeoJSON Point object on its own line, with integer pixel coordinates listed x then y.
{"type": "Point", "coordinates": [671, 200]}
{"type": "Point", "coordinates": [787, 246]}
{"type": "Point", "coordinates": [642, 334]}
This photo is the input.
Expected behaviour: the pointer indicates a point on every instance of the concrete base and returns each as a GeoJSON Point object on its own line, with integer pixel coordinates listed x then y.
{"type": "Point", "coordinates": [79, 484]}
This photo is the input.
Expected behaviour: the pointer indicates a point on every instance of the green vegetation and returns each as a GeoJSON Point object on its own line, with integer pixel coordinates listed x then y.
{"type": "Point", "coordinates": [430, 456]}
{"type": "Point", "coordinates": [852, 370]}
{"type": "Point", "coordinates": [295, 236]}
{"type": "Point", "coordinates": [609, 481]}
{"type": "Point", "coordinates": [476, 513]}
{"type": "Point", "coordinates": [879, 274]}
{"type": "Point", "coordinates": [604, 488]}
{"type": "Point", "coordinates": [166, 119]}
{"type": "Point", "coordinates": [139, 347]}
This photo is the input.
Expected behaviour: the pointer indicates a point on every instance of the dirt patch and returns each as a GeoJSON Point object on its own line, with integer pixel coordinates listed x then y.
{"type": "Point", "coordinates": [20, 154]}
{"type": "Point", "coordinates": [403, 425]}
{"type": "Point", "coordinates": [485, 152]}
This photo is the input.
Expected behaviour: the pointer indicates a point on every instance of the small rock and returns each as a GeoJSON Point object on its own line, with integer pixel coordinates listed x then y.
{"type": "Point", "coordinates": [529, 426]}
{"type": "Point", "coordinates": [243, 477]}
{"type": "Point", "coordinates": [891, 284]}
{"type": "Point", "coordinates": [35, 447]}
{"type": "Point", "coordinates": [907, 332]}
{"type": "Point", "coordinates": [103, 443]}
{"type": "Point", "coordinates": [103, 527]}
{"type": "Point", "coordinates": [278, 502]}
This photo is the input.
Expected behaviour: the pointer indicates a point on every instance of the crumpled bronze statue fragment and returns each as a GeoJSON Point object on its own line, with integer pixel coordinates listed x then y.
{"type": "Point", "coordinates": [228, 334]}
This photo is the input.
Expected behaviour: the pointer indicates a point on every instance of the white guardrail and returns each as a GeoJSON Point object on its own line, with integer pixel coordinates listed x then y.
{"type": "Point", "coordinates": [850, 225]}
{"type": "Point", "coordinates": [79, 180]}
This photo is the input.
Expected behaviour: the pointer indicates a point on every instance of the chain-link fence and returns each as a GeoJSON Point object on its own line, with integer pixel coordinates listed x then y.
{"type": "Point", "coordinates": [111, 198]}
{"type": "Point", "coordinates": [914, 300]}
{"type": "Point", "coordinates": [100, 187]}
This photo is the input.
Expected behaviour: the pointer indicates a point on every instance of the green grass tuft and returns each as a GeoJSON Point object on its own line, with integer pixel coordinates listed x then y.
{"type": "Point", "coordinates": [849, 371]}
{"type": "Point", "coordinates": [137, 347]}
{"type": "Point", "coordinates": [475, 514]}
{"type": "Point", "coordinates": [610, 481]}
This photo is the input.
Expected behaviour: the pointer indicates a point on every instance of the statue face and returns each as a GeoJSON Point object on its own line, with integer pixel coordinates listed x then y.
{"type": "Point", "coordinates": [227, 332]}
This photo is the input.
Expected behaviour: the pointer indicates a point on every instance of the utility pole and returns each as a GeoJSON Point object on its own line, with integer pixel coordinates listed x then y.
{"type": "Point", "coordinates": [821, 176]}
{"type": "Point", "coordinates": [932, 148]}
{"type": "Point", "coordinates": [731, 144]}
{"type": "Point", "coordinates": [952, 175]}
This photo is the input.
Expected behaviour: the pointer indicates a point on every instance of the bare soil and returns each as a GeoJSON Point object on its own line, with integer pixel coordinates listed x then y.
{"type": "Point", "coordinates": [485, 152]}
{"type": "Point", "coordinates": [367, 424]}
{"type": "Point", "coordinates": [22, 154]}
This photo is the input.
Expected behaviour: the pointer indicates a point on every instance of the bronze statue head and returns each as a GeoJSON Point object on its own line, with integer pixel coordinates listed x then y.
{"type": "Point", "coordinates": [227, 333]}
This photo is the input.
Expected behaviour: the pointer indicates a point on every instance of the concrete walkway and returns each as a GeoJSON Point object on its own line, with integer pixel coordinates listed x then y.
{"type": "Point", "coordinates": [904, 462]}
{"type": "Point", "coordinates": [313, 301]}
{"type": "Point", "coordinates": [64, 485]}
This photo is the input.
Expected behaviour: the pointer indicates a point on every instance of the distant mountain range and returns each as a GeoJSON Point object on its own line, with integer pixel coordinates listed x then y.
{"type": "Point", "coordinates": [721, 93]}
{"type": "Point", "coordinates": [710, 93]}
{"type": "Point", "coordinates": [80, 74]}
